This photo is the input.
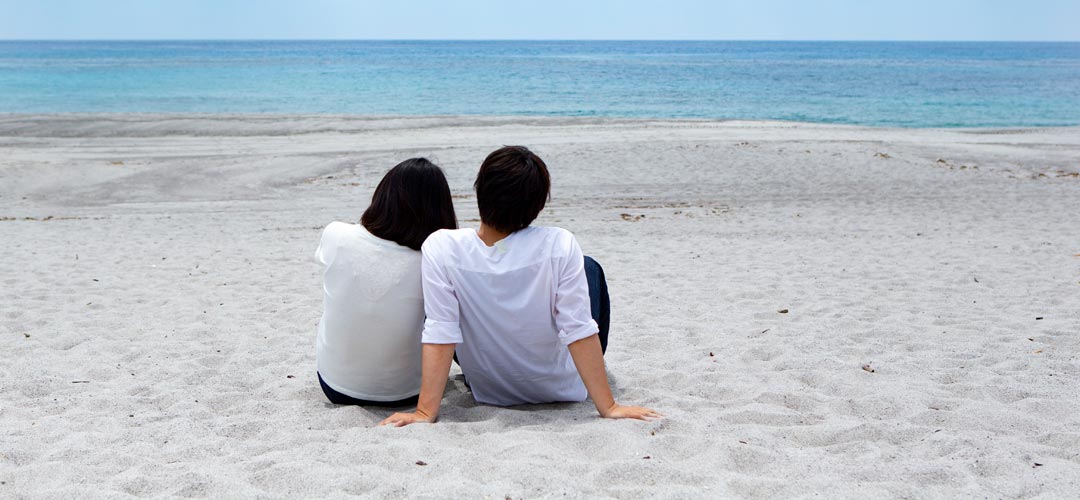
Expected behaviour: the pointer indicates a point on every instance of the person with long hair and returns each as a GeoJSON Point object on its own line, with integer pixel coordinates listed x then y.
{"type": "Point", "coordinates": [368, 348]}
{"type": "Point", "coordinates": [526, 312]}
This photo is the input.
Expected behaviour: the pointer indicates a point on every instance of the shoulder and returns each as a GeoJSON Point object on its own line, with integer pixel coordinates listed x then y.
{"type": "Point", "coordinates": [335, 230]}
{"type": "Point", "coordinates": [445, 240]}
{"type": "Point", "coordinates": [331, 241]}
{"type": "Point", "coordinates": [555, 234]}
{"type": "Point", "coordinates": [560, 240]}
{"type": "Point", "coordinates": [356, 238]}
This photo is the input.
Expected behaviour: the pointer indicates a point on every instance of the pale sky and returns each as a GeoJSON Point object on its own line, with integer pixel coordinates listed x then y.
{"type": "Point", "coordinates": [1007, 20]}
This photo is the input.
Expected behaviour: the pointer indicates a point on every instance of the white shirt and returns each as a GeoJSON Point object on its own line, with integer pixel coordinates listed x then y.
{"type": "Point", "coordinates": [369, 336]}
{"type": "Point", "coordinates": [512, 308]}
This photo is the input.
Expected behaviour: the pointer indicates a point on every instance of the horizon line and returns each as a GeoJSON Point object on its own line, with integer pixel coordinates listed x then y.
{"type": "Point", "coordinates": [801, 40]}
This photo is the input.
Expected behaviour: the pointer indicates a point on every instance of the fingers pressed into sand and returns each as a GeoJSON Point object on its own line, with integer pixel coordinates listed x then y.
{"type": "Point", "coordinates": [392, 419]}
{"type": "Point", "coordinates": [648, 414]}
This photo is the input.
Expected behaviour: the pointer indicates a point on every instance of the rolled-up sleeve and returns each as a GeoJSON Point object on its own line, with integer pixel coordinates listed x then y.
{"type": "Point", "coordinates": [573, 311]}
{"type": "Point", "coordinates": [442, 325]}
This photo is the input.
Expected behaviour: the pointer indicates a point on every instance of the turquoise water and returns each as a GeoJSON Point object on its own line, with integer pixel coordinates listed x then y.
{"type": "Point", "coordinates": [867, 83]}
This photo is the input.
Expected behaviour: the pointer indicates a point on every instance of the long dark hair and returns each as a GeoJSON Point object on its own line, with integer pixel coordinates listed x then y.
{"type": "Point", "coordinates": [411, 202]}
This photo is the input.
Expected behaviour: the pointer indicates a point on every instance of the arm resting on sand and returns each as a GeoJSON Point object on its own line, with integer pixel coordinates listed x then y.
{"type": "Point", "coordinates": [589, 359]}
{"type": "Point", "coordinates": [436, 370]}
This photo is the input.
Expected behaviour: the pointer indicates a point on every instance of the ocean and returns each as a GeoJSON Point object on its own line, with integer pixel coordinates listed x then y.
{"type": "Point", "coordinates": [903, 84]}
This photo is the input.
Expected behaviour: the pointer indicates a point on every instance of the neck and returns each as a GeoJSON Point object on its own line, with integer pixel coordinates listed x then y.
{"type": "Point", "coordinates": [490, 235]}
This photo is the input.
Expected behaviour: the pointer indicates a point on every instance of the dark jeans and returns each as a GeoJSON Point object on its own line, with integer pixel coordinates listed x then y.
{"type": "Point", "coordinates": [341, 399]}
{"type": "Point", "coordinates": [598, 297]}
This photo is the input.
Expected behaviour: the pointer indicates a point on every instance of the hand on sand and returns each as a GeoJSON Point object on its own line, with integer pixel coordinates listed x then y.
{"type": "Point", "coordinates": [403, 419]}
{"type": "Point", "coordinates": [635, 412]}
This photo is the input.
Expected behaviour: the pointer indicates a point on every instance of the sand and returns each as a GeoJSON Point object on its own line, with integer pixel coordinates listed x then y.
{"type": "Point", "coordinates": [820, 311]}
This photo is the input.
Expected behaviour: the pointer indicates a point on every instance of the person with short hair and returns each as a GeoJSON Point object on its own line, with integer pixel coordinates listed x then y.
{"type": "Point", "coordinates": [368, 345]}
{"type": "Point", "coordinates": [514, 301]}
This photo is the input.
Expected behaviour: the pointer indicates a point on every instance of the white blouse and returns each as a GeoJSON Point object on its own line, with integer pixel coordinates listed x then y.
{"type": "Point", "coordinates": [368, 345]}
{"type": "Point", "coordinates": [512, 308]}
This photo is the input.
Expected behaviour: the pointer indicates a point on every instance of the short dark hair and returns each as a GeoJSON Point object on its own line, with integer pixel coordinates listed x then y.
{"type": "Point", "coordinates": [411, 202]}
{"type": "Point", "coordinates": [511, 188]}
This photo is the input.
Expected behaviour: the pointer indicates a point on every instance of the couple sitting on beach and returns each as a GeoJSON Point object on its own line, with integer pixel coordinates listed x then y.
{"type": "Point", "coordinates": [525, 311]}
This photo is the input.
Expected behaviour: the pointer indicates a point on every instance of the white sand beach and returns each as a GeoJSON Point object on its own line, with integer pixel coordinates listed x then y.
{"type": "Point", "coordinates": [819, 311]}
